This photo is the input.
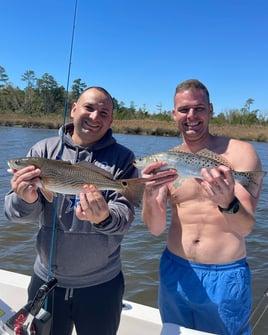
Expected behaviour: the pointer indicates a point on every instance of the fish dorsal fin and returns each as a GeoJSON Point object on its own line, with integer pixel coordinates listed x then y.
{"type": "Point", "coordinates": [95, 168]}
{"type": "Point", "coordinates": [206, 154]}
{"type": "Point", "coordinates": [178, 149]}
{"type": "Point", "coordinates": [212, 155]}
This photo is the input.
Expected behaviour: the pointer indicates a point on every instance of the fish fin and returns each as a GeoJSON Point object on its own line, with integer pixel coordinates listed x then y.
{"type": "Point", "coordinates": [178, 149]}
{"type": "Point", "coordinates": [207, 154]}
{"type": "Point", "coordinates": [216, 157]}
{"type": "Point", "coordinates": [255, 179]}
{"type": "Point", "coordinates": [95, 168]}
{"type": "Point", "coordinates": [48, 195]}
{"type": "Point", "coordinates": [133, 189]}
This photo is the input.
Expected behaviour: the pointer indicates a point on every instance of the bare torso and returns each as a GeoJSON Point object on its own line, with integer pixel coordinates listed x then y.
{"type": "Point", "coordinates": [198, 231]}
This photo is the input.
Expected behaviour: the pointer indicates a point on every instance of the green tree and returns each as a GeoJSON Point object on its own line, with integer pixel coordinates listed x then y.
{"type": "Point", "coordinates": [248, 103]}
{"type": "Point", "coordinates": [11, 99]}
{"type": "Point", "coordinates": [30, 79]}
{"type": "Point", "coordinates": [120, 111]}
{"type": "Point", "coordinates": [3, 77]}
{"type": "Point", "coordinates": [47, 87]}
{"type": "Point", "coordinates": [132, 110]}
{"type": "Point", "coordinates": [77, 88]}
{"type": "Point", "coordinates": [159, 107]}
{"type": "Point", "coordinates": [247, 116]}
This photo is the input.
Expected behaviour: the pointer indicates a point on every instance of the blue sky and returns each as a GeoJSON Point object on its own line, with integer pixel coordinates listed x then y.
{"type": "Point", "coordinates": [141, 49]}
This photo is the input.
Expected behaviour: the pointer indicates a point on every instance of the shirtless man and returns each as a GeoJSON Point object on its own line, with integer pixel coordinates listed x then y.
{"type": "Point", "coordinates": [204, 276]}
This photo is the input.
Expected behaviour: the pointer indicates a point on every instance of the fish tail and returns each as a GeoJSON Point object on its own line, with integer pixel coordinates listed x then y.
{"type": "Point", "coordinates": [255, 179]}
{"type": "Point", "coordinates": [133, 189]}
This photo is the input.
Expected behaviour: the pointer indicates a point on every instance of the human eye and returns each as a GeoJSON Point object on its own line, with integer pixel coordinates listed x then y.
{"type": "Point", "coordinates": [200, 109]}
{"type": "Point", "coordinates": [89, 108]}
{"type": "Point", "coordinates": [104, 113]}
{"type": "Point", "coordinates": [183, 110]}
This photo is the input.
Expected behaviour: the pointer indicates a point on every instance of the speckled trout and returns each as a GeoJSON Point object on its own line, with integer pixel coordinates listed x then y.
{"type": "Point", "coordinates": [62, 177]}
{"type": "Point", "coordinates": [189, 165]}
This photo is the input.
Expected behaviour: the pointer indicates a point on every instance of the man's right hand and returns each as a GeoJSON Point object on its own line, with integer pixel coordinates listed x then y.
{"type": "Point", "coordinates": [25, 183]}
{"type": "Point", "coordinates": [157, 176]}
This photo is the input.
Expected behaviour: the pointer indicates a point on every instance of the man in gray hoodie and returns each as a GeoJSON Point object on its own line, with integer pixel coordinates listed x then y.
{"type": "Point", "coordinates": [87, 230]}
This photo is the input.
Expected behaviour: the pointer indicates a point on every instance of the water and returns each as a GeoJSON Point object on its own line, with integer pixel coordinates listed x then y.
{"type": "Point", "coordinates": [140, 250]}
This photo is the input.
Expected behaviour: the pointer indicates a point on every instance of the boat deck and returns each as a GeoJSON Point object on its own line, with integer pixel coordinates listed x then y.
{"type": "Point", "coordinates": [135, 318]}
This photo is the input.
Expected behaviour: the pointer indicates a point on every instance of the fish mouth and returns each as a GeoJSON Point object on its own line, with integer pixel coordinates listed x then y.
{"type": "Point", "coordinates": [11, 164]}
{"type": "Point", "coordinates": [10, 169]}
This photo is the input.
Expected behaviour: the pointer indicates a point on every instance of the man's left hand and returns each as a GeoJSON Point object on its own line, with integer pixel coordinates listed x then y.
{"type": "Point", "coordinates": [93, 206]}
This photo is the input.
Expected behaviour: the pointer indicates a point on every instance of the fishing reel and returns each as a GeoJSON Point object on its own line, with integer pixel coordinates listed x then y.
{"type": "Point", "coordinates": [32, 319]}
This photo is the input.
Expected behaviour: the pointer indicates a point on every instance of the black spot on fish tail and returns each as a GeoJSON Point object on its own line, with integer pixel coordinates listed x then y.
{"type": "Point", "coordinates": [133, 189]}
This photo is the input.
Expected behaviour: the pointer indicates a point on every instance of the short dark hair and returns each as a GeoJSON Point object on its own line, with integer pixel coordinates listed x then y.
{"type": "Point", "coordinates": [101, 89]}
{"type": "Point", "coordinates": [192, 84]}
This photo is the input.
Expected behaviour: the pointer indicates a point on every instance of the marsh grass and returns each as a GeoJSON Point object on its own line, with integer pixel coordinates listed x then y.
{"type": "Point", "coordinates": [141, 127]}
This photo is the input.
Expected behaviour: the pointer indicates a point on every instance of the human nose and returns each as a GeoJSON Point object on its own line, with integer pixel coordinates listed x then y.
{"type": "Point", "coordinates": [191, 113]}
{"type": "Point", "coordinates": [94, 115]}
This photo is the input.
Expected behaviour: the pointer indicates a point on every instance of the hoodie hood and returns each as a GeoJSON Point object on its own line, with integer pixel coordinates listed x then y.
{"type": "Point", "coordinates": [66, 131]}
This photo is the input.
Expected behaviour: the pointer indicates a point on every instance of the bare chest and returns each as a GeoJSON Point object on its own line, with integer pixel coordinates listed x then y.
{"type": "Point", "coordinates": [185, 191]}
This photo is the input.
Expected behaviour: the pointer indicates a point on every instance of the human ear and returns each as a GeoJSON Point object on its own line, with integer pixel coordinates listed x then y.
{"type": "Point", "coordinates": [73, 109]}
{"type": "Point", "coordinates": [210, 109]}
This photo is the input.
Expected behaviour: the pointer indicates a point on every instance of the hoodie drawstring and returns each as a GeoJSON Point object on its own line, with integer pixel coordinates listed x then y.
{"type": "Point", "coordinates": [69, 294]}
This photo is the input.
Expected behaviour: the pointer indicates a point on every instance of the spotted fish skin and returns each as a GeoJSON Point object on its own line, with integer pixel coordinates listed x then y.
{"type": "Point", "coordinates": [189, 165]}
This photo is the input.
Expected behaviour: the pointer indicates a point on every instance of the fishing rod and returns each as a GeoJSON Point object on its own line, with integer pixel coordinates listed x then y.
{"type": "Point", "coordinates": [62, 140]}
{"type": "Point", "coordinates": [32, 319]}
{"type": "Point", "coordinates": [68, 78]}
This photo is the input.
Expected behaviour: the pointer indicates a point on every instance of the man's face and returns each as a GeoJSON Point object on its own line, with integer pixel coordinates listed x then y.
{"type": "Point", "coordinates": [192, 112]}
{"type": "Point", "coordinates": [92, 116]}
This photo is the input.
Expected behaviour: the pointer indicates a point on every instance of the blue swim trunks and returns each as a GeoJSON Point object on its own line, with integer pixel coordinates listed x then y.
{"type": "Point", "coordinates": [212, 298]}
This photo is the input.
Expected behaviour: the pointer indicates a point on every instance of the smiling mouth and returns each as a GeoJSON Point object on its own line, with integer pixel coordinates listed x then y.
{"type": "Point", "coordinates": [90, 126]}
{"type": "Point", "coordinates": [192, 124]}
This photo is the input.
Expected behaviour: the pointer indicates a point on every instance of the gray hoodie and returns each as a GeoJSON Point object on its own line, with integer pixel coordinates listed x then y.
{"type": "Point", "coordinates": [83, 254]}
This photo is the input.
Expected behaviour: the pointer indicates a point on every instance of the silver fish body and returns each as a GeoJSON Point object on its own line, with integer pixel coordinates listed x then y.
{"type": "Point", "coordinates": [58, 176]}
{"type": "Point", "coordinates": [189, 165]}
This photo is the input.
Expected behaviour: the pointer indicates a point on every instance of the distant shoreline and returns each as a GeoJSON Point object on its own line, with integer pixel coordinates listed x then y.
{"type": "Point", "coordinates": [142, 127]}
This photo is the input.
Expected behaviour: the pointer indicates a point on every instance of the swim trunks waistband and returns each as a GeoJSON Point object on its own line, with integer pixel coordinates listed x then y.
{"type": "Point", "coordinates": [186, 263]}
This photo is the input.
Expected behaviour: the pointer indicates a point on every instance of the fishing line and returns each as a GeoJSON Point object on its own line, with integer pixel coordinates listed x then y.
{"type": "Point", "coordinates": [53, 237]}
{"type": "Point", "coordinates": [254, 312]}
{"type": "Point", "coordinates": [262, 313]}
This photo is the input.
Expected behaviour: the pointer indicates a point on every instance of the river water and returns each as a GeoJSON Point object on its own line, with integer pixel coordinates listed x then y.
{"type": "Point", "coordinates": [140, 250]}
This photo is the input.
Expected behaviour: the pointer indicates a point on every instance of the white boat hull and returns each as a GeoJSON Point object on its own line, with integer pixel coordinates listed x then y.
{"type": "Point", "coordinates": [135, 319]}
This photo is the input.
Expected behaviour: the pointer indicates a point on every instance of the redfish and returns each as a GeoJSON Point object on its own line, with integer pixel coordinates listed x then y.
{"type": "Point", "coordinates": [58, 176]}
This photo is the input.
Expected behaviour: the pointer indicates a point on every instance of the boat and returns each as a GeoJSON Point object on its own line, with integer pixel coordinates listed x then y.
{"type": "Point", "coordinates": [135, 319]}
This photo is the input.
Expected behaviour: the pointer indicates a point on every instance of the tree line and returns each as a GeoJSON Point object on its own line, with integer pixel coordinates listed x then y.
{"type": "Point", "coordinates": [45, 97]}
